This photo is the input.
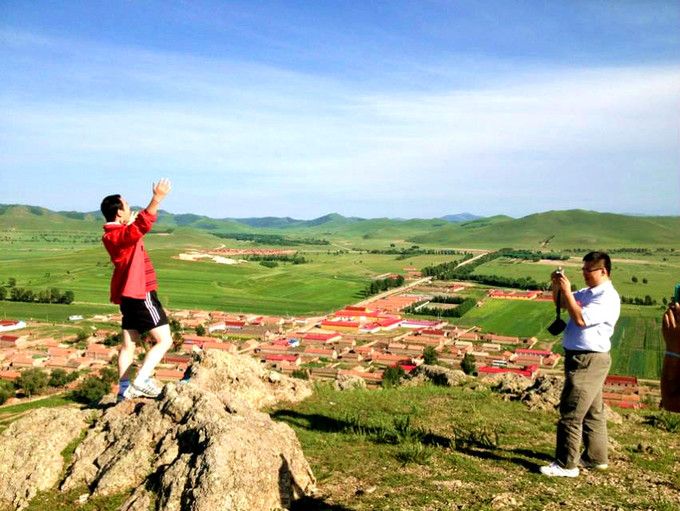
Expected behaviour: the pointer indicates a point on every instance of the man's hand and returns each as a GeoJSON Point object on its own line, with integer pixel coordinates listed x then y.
{"type": "Point", "coordinates": [561, 282]}
{"type": "Point", "coordinates": [133, 216]}
{"type": "Point", "coordinates": [161, 189]}
{"type": "Point", "coordinates": [670, 328]}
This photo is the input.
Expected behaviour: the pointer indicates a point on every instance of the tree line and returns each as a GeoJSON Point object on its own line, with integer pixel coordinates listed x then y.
{"type": "Point", "coordinates": [458, 312]}
{"type": "Point", "coordinates": [532, 255]}
{"type": "Point", "coordinates": [282, 258]}
{"type": "Point", "coordinates": [380, 285]}
{"type": "Point", "coordinates": [270, 239]}
{"type": "Point", "coordinates": [11, 292]}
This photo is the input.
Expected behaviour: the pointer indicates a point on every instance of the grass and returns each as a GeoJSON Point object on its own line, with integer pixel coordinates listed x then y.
{"type": "Point", "coordinates": [637, 344]}
{"type": "Point", "coordinates": [502, 445]}
{"type": "Point", "coordinates": [327, 282]}
{"type": "Point", "coordinates": [10, 413]}
{"type": "Point", "coordinates": [660, 274]}
{"type": "Point", "coordinates": [512, 317]}
{"type": "Point", "coordinates": [427, 447]}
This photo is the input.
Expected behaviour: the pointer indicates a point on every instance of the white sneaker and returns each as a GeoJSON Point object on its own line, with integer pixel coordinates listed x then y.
{"type": "Point", "coordinates": [555, 470]}
{"type": "Point", "coordinates": [147, 388]}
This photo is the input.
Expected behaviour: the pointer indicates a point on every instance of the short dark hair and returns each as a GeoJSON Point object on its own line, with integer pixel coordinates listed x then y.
{"type": "Point", "coordinates": [110, 206]}
{"type": "Point", "coordinates": [596, 257]}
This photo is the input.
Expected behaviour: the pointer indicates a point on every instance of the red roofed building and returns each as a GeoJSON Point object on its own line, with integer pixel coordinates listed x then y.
{"type": "Point", "coordinates": [99, 352]}
{"type": "Point", "coordinates": [291, 359]}
{"type": "Point", "coordinates": [622, 400]}
{"type": "Point", "coordinates": [221, 346]}
{"type": "Point", "coordinates": [468, 336]}
{"type": "Point", "coordinates": [503, 339]}
{"type": "Point", "coordinates": [350, 314]}
{"type": "Point", "coordinates": [273, 348]}
{"type": "Point", "coordinates": [320, 336]}
{"type": "Point", "coordinates": [234, 324]}
{"type": "Point", "coordinates": [21, 360]}
{"type": "Point", "coordinates": [432, 331]}
{"type": "Point", "coordinates": [528, 372]}
{"type": "Point", "coordinates": [388, 359]}
{"type": "Point", "coordinates": [374, 377]}
{"type": "Point", "coordinates": [413, 323]}
{"type": "Point", "coordinates": [513, 295]}
{"type": "Point", "coordinates": [540, 357]}
{"type": "Point", "coordinates": [9, 375]}
{"type": "Point", "coordinates": [389, 323]}
{"type": "Point", "coordinates": [168, 374]}
{"type": "Point", "coordinates": [341, 326]}
{"type": "Point", "coordinates": [614, 382]}
{"type": "Point", "coordinates": [62, 363]}
{"type": "Point", "coordinates": [174, 358]}
{"type": "Point", "coordinates": [12, 341]}
{"type": "Point", "coordinates": [62, 352]}
{"type": "Point", "coordinates": [320, 353]}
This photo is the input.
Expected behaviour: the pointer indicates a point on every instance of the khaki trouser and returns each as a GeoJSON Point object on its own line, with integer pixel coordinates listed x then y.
{"type": "Point", "coordinates": [582, 415]}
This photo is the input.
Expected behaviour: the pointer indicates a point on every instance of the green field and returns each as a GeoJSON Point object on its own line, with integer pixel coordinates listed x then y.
{"type": "Point", "coordinates": [661, 275]}
{"type": "Point", "coordinates": [637, 344]}
{"type": "Point", "coordinates": [328, 281]}
{"type": "Point", "coordinates": [43, 249]}
{"type": "Point", "coordinates": [512, 317]}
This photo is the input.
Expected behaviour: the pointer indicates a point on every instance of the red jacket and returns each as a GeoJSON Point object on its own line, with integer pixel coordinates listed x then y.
{"type": "Point", "coordinates": [133, 274]}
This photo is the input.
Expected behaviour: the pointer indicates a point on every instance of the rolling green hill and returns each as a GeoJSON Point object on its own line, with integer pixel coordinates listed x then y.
{"type": "Point", "coordinates": [552, 229]}
{"type": "Point", "coordinates": [560, 229]}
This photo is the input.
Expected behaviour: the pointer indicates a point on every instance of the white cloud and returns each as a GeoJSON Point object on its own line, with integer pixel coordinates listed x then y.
{"type": "Point", "coordinates": [281, 134]}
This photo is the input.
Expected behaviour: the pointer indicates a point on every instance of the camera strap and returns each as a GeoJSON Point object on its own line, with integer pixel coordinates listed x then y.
{"type": "Point", "coordinates": [558, 302]}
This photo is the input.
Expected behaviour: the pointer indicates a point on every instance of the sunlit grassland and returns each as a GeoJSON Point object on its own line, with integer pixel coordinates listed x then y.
{"type": "Point", "coordinates": [343, 435]}
{"type": "Point", "coordinates": [637, 344]}
{"type": "Point", "coordinates": [661, 275]}
{"type": "Point", "coordinates": [512, 317]}
{"type": "Point", "coordinates": [327, 281]}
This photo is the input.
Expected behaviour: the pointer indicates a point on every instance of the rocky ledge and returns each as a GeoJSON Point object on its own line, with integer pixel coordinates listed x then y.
{"type": "Point", "coordinates": [203, 446]}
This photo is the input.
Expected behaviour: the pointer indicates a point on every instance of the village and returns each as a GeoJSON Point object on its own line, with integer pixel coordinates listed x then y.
{"type": "Point", "coordinates": [361, 341]}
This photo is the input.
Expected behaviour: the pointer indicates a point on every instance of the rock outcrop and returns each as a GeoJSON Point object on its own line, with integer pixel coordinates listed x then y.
{"type": "Point", "coordinates": [349, 382]}
{"type": "Point", "coordinates": [542, 393]}
{"type": "Point", "coordinates": [442, 376]}
{"type": "Point", "coordinates": [30, 452]}
{"type": "Point", "coordinates": [201, 446]}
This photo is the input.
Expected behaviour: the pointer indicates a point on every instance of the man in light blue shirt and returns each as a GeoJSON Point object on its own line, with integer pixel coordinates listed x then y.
{"type": "Point", "coordinates": [593, 312]}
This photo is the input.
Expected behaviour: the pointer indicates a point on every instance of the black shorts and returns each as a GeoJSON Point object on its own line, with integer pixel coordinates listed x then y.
{"type": "Point", "coordinates": [142, 315]}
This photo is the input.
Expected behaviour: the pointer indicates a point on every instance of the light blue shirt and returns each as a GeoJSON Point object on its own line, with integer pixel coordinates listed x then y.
{"type": "Point", "coordinates": [600, 307]}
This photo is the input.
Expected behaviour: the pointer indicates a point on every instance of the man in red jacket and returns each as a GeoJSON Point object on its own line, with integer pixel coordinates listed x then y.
{"type": "Point", "coordinates": [133, 287]}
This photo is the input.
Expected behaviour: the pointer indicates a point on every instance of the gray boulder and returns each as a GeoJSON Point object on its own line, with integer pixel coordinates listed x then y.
{"type": "Point", "coordinates": [30, 452]}
{"type": "Point", "coordinates": [442, 376]}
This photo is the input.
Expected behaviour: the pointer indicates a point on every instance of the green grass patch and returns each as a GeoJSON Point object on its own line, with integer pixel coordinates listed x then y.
{"type": "Point", "coordinates": [501, 446]}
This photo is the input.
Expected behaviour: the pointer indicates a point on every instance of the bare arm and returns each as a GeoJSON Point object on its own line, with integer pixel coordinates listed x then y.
{"type": "Point", "coordinates": [670, 374]}
{"type": "Point", "coordinates": [160, 190]}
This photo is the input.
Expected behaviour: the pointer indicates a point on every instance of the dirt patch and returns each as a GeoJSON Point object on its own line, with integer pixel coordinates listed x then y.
{"type": "Point", "coordinates": [198, 256]}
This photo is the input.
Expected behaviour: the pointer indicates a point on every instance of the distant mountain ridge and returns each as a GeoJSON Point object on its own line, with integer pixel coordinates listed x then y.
{"type": "Point", "coordinates": [552, 229]}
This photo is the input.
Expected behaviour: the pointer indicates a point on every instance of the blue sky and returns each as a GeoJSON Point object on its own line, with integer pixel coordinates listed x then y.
{"type": "Point", "coordinates": [372, 109]}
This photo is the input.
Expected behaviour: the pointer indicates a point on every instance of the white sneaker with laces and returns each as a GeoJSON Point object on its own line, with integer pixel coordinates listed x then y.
{"type": "Point", "coordinates": [146, 388]}
{"type": "Point", "coordinates": [555, 470]}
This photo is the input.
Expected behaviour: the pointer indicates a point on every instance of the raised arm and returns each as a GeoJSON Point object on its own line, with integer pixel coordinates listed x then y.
{"type": "Point", "coordinates": [160, 190]}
